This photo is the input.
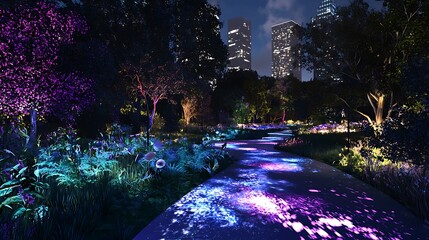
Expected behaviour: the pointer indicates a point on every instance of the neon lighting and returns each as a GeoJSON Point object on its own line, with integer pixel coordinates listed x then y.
{"type": "Point", "coordinates": [247, 197]}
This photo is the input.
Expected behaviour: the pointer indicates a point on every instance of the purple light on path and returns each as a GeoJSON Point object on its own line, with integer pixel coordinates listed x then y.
{"type": "Point", "coordinates": [293, 160]}
{"type": "Point", "coordinates": [262, 153]}
{"type": "Point", "coordinates": [247, 149]}
{"type": "Point", "coordinates": [252, 198]}
{"type": "Point", "coordinates": [267, 143]}
{"type": "Point", "coordinates": [301, 213]}
{"type": "Point", "coordinates": [366, 198]}
{"type": "Point", "coordinates": [280, 167]}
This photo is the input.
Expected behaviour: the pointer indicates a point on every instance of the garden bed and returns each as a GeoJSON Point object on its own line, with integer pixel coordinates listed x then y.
{"type": "Point", "coordinates": [407, 183]}
{"type": "Point", "coordinates": [108, 188]}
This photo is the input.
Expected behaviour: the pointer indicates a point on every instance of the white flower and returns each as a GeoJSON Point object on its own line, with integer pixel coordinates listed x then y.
{"type": "Point", "coordinates": [160, 163]}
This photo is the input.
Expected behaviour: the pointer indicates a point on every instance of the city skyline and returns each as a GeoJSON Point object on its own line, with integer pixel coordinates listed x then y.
{"type": "Point", "coordinates": [265, 14]}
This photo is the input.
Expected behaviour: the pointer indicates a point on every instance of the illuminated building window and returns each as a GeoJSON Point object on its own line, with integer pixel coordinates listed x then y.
{"type": "Point", "coordinates": [283, 40]}
{"type": "Point", "coordinates": [239, 43]}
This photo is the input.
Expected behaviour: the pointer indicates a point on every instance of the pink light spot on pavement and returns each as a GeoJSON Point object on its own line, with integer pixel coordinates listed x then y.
{"type": "Point", "coordinates": [366, 198]}
{"type": "Point", "coordinates": [322, 233]}
{"type": "Point", "coordinates": [297, 226]}
{"type": "Point", "coordinates": [281, 167]}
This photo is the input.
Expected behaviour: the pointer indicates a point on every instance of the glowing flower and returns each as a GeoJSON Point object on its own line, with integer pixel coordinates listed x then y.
{"type": "Point", "coordinates": [149, 156]}
{"type": "Point", "coordinates": [158, 145]}
{"type": "Point", "coordinates": [160, 163]}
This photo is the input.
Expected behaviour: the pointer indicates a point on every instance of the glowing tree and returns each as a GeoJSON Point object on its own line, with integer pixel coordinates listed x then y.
{"type": "Point", "coordinates": [154, 82]}
{"type": "Point", "coordinates": [30, 41]}
{"type": "Point", "coordinates": [190, 108]}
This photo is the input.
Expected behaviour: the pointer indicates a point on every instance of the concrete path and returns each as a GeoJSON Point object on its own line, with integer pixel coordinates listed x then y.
{"type": "Point", "coordinates": [274, 195]}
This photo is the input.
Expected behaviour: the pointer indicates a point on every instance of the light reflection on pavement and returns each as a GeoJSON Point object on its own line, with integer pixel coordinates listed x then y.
{"type": "Point", "coordinates": [274, 195]}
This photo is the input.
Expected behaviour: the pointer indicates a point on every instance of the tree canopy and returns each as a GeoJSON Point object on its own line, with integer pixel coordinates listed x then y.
{"type": "Point", "coordinates": [30, 41]}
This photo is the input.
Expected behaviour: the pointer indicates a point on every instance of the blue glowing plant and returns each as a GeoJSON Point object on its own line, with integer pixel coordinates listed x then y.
{"type": "Point", "coordinates": [64, 160]}
{"type": "Point", "coordinates": [20, 190]}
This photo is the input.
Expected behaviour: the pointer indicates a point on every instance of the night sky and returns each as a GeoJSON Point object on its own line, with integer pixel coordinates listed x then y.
{"type": "Point", "coordinates": [265, 13]}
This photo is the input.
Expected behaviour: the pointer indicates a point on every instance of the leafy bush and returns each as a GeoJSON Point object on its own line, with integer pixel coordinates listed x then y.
{"type": "Point", "coordinates": [406, 182]}
{"type": "Point", "coordinates": [406, 136]}
{"type": "Point", "coordinates": [406, 133]}
{"type": "Point", "coordinates": [64, 160]}
{"type": "Point", "coordinates": [96, 191]}
{"type": "Point", "coordinates": [14, 137]}
{"type": "Point", "coordinates": [323, 147]}
{"type": "Point", "coordinates": [351, 160]}
{"type": "Point", "coordinates": [21, 192]}
{"type": "Point", "coordinates": [242, 113]}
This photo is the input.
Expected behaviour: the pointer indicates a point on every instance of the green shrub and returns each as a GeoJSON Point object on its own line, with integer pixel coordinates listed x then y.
{"type": "Point", "coordinates": [352, 161]}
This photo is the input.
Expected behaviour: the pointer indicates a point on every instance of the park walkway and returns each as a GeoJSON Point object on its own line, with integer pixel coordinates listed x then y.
{"type": "Point", "coordinates": [268, 194]}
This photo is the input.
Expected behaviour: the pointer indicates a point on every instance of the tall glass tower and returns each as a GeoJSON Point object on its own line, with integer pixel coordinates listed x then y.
{"type": "Point", "coordinates": [325, 12]}
{"type": "Point", "coordinates": [239, 44]}
{"type": "Point", "coordinates": [284, 38]}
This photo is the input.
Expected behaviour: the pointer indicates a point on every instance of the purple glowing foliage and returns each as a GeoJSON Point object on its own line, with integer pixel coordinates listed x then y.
{"type": "Point", "coordinates": [293, 141]}
{"type": "Point", "coordinates": [11, 171]}
{"type": "Point", "coordinates": [27, 198]}
{"type": "Point", "coordinates": [30, 42]}
{"type": "Point", "coordinates": [335, 127]}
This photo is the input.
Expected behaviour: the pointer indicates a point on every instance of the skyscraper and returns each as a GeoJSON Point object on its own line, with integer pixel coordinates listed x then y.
{"type": "Point", "coordinates": [325, 12]}
{"type": "Point", "coordinates": [284, 38]}
{"type": "Point", "coordinates": [239, 44]}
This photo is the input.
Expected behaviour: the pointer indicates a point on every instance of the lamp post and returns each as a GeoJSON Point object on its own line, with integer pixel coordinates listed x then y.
{"type": "Point", "coordinates": [346, 115]}
{"type": "Point", "coordinates": [348, 129]}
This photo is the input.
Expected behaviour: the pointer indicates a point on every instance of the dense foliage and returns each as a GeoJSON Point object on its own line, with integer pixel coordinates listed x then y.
{"type": "Point", "coordinates": [405, 136]}
{"type": "Point", "coordinates": [30, 42]}
{"type": "Point", "coordinates": [78, 188]}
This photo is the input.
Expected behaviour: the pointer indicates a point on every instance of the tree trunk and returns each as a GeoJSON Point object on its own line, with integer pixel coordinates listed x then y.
{"type": "Point", "coordinates": [31, 144]}
{"type": "Point", "coordinates": [32, 150]}
{"type": "Point", "coordinates": [150, 121]}
{"type": "Point", "coordinates": [148, 125]}
{"type": "Point", "coordinates": [284, 116]}
{"type": "Point", "coordinates": [348, 130]}
{"type": "Point", "coordinates": [152, 115]}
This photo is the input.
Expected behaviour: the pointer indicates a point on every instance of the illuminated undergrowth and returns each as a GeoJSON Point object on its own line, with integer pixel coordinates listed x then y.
{"type": "Point", "coordinates": [108, 188]}
{"type": "Point", "coordinates": [405, 182]}
{"type": "Point", "coordinates": [323, 147]}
